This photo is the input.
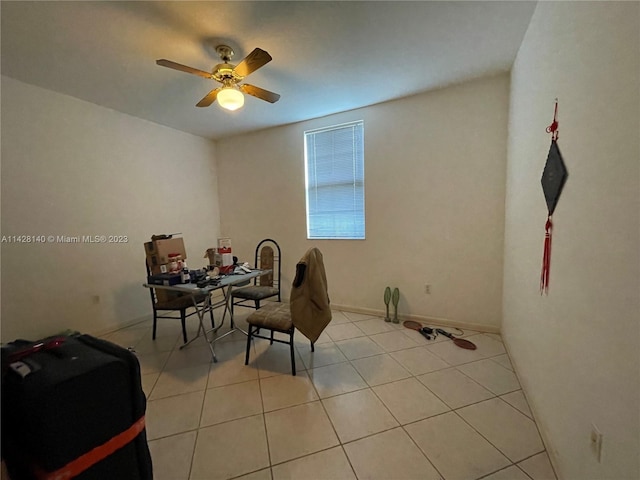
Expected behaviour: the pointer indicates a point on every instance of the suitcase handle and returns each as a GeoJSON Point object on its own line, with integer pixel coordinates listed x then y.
{"type": "Point", "coordinates": [36, 347]}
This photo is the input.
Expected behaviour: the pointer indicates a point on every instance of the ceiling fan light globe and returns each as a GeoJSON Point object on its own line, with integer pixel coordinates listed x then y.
{"type": "Point", "coordinates": [230, 99]}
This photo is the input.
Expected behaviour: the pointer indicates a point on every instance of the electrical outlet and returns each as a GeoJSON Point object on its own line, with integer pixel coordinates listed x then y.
{"type": "Point", "coordinates": [427, 288]}
{"type": "Point", "coordinates": [596, 442]}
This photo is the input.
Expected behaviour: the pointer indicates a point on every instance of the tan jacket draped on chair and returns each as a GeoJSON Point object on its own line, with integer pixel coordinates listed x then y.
{"type": "Point", "coordinates": [309, 300]}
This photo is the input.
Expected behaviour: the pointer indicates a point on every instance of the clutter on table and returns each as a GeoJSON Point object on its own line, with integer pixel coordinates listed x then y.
{"type": "Point", "coordinates": [167, 261]}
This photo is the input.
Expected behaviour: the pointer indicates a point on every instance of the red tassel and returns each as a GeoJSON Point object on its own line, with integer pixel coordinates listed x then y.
{"type": "Point", "coordinates": [546, 258]}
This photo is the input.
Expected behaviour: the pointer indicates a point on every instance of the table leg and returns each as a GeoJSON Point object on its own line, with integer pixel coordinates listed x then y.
{"type": "Point", "coordinates": [200, 311]}
{"type": "Point", "coordinates": [227, 299]}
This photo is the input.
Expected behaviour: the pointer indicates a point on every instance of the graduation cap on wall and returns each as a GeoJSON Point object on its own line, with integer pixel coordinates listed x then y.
{"type": "Point", "coordinates": [553, 179]}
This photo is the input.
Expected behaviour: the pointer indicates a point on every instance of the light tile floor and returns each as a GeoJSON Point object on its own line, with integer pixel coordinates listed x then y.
{"type": "Point", "coordinates": [374, 401]}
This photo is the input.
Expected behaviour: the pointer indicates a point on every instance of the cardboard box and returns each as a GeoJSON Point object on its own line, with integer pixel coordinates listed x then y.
{"type": "Point", "coordinates": [226, 256]}
{"type": "Point", "coordinates": [211, 255]}
{"type": "Point", "coordinates": [227, 259]}
{"type": "Point", "coordinates": [158, 251]}
{"type": "Point", "coordinates": [224, 243]}
{"type": "Point", "coordinates": [220, 257]}
{"type": "Point", "coordinates": [157, 269]}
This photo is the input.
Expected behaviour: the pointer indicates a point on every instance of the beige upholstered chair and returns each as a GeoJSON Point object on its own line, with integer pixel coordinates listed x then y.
{"type": "Point", "coordinates": [308, 309]}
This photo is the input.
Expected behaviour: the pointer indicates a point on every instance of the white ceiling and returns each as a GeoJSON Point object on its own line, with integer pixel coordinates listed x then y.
{"type": "Point", "coordinates": [328, 57]}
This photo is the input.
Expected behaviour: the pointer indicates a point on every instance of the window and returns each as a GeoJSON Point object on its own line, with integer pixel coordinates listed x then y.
{"type": "Point", "coordinates": [334, 161]}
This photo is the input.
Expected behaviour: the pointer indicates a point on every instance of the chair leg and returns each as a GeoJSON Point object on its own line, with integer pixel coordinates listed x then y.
{"type": "Point", "coordinates": [249, 333]}
{"type": "Point", "coordinates": [155, 323]}
{"type": "Point", "coordinates": [313, 347]}
{"type": "Point", "coordinates": [293, 356]}
{"type": "Point", "coordinates": [271, 338]}
{"type": "Point", "coordinates": [213, 323]}
{"type": "Point", "coordinates": [257, 303]}
{"type": "Point", "coordinates": [183, 318]}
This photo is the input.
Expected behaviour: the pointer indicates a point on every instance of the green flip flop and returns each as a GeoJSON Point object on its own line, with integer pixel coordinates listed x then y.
{"type": "Point", "coordinates": [387, 299]}
{"type": "Point", "coordinates": [395, 299]}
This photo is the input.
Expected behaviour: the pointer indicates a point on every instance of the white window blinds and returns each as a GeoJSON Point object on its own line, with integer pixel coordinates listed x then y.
{"type": "Point", "coordinates": [334, 160]}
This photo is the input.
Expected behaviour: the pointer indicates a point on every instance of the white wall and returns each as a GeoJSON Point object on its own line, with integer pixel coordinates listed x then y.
{"type": "Point", "coordinates": [434, 179]}
{"type": "Point", "coordinates": [576, 350]}
{"type": "Point", "coordinates": [73, 168]}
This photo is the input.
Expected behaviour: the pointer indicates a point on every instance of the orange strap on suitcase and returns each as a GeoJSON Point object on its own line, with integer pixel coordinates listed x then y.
{"type": "Point", "coordinates": [99, 453]}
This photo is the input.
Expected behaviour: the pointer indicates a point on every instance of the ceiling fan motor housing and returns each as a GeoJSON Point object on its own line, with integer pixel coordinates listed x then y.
{"type": "Point", "coordinates": [224, 71]}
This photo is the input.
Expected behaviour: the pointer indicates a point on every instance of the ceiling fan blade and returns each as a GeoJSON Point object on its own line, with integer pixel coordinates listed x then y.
{"type": "Point", "coordinates": [209, 98]}
{"type": "Point", "coordinates": [183, 68]}
{"type": "Point", "coordinates": [252, 62]}
{"type": "Point", "coordinates": [260, 93]}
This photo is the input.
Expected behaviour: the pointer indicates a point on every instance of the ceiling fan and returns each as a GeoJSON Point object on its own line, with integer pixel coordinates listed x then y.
{"type": "Point", "coordinates": [229, 95]}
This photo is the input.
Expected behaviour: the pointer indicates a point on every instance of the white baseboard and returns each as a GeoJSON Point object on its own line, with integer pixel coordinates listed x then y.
{"type": "Point", "coordinates": [441, 322]}
{"type": "Point", "coordinates": [130, 323]}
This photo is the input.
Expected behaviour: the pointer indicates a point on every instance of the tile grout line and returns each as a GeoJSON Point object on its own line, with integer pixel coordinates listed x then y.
{"type": "Point", "coordinates": [370, 387]}
{"type": "Point", "coordinates": [494, 395]}
{"type": "Point", "coordinates": [502, 469]}
{"type": "Point", "coordinates": [335, 432]}
{"type": "Point", "coordinates": [195, 442]}
{"type": "Point", "coordinates": [497, 397]}
{"type": "Point", "coordinates": [400, 425]}
{"type": "Point", "coordinates": [264, 416]}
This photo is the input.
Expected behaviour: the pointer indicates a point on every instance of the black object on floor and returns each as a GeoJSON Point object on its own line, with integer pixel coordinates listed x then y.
{"type": "Point", "coordinates": [425, 331]}
{"type": "Point", "coordinates": [73, 410]}
{"type": "Point", "coordinates": [460, 342]}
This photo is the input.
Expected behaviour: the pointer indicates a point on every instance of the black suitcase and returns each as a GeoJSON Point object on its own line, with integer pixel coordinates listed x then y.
{"type": "Point", "coordinates": [73, 407]}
